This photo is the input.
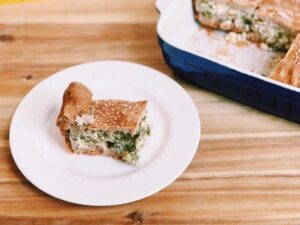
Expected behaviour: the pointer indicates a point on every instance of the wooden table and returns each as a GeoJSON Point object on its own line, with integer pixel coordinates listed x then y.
{"type": "Point", "coordinates": [247, 169]}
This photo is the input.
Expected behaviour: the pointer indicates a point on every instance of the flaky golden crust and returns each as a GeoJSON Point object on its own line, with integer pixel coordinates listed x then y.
{"type": "Point", "coordinates": [99, 151]}
{"type": "Point", "coordinates": [288, 69]}
{"type": "Point", "coordinates": [283, 12]}
{"type": "Point", "coordinates": [109, 115]}
{"type": "Point", "coordinates": [76, 100]}
{"type": "Point", "coordinates": [117, 115]}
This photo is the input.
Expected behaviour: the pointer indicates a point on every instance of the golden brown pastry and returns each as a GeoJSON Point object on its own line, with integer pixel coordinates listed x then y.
{"type": "Point", "coordinates": [115, 128]}
{"type": "Point", "coordinates": [288, 69]}
{"type": "Point", "coordinates": [272, 22]}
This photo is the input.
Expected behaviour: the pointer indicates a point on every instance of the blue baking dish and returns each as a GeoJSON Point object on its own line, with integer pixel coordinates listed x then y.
{"type": "Point", "coordinates": [176, 31]}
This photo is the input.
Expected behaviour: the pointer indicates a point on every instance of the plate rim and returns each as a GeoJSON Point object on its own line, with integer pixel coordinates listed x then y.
{"type": "Point", "coordinates": [142, 196]}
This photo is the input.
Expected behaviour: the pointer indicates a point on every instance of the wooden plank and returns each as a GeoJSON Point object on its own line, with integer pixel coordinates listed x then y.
{"type": "Point", "coordinates": [93, 11]}
{"type": "Point", "coordinates": [245, 172]}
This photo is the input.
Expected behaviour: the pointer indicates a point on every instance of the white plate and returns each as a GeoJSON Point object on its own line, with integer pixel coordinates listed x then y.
{"type": "Point", "coordinates": [38, 149]}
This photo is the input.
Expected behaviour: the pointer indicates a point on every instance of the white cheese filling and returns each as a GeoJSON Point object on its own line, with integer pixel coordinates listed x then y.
{"type": "Point", "coordinates": [125, 144]}
{"type": "Point", "coordinates": [273, 35]}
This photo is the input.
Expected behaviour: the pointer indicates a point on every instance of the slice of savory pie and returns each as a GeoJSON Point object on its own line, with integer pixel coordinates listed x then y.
{"type": "Point", "coordinates": [273, 23]}
{"type": "Point", "coordinates": [115, 128]}
{"type": "Point", "coordinates": [288, 69]}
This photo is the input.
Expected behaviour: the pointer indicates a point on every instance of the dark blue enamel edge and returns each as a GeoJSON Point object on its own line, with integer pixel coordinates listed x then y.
{"type": "Point", "coordinates": [233, 84]}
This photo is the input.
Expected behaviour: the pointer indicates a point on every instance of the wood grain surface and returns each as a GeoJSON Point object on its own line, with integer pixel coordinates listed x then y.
{"type": "Point", "coordinates": [246, 170]}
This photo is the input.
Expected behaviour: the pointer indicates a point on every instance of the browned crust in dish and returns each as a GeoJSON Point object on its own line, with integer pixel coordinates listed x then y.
{"type": "Point", "coordinates": [288, 69]}
{"type": "Point", "coordinates": [283, 12]}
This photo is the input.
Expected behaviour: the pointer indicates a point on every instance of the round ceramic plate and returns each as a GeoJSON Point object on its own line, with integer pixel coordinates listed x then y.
{"type": "Point", "coordinates": [38, 147]}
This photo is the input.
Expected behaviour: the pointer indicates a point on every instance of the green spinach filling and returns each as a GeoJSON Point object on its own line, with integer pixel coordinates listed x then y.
{"type": "Point", "coordinates": [277, 37]}
{"type": "Point", "coordinates": [125, 144]}
{"type": "Point", "coordinates": [120, 141]}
